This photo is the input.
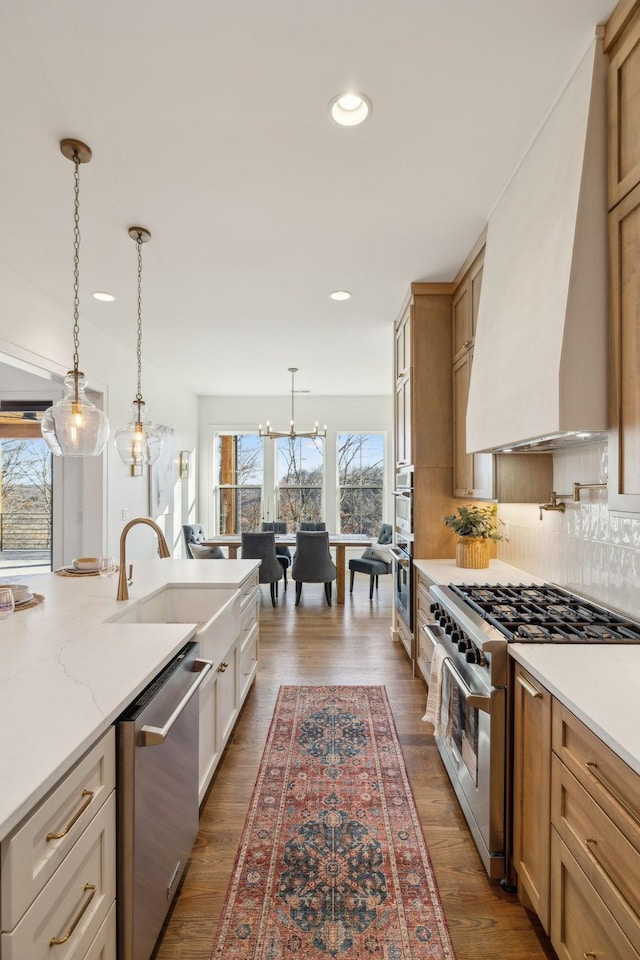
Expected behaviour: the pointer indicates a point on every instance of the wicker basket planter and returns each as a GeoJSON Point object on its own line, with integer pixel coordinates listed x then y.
{"type": "Point", "coordinates": [473, 552]}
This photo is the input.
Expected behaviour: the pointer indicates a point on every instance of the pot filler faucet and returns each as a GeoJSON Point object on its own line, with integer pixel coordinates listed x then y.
{"type": "Point", "coordinates": [163, 551]}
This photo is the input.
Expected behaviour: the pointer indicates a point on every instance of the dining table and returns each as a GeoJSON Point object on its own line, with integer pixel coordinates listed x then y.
{"type": "Point", "coordinates": [339, 541]}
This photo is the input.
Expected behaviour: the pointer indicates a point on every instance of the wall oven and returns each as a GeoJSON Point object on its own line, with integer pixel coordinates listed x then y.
{"type": "Point", "coordinates": [402, 553]}
{"type": "Point", "coordinates": [403, 497]}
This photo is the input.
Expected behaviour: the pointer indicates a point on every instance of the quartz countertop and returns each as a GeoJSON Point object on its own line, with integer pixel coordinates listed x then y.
{"type": "Point", "coordinates": [446, 571]}
{"type": "Point", "coordinates": [598, 683]}
{"type": "Point", "coordinates": [66, 674]}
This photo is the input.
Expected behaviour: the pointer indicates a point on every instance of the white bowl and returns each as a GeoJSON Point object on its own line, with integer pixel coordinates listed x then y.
{"type": "Point", "coordinates": [86, 563]}
{"type": "Point", "coordinates": [20, 590]}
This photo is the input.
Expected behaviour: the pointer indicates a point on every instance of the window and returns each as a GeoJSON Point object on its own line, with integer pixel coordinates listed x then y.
{"type": "Point", "coordinates": [240, 468]}
{"type": "Point", "coordinates": [360, 482]}
{"type": "Point", "coordinates": [300, 466]}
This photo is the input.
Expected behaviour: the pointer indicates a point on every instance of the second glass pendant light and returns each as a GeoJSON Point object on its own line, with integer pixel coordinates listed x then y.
{"type": "Point", "coordinates": [139, 443]}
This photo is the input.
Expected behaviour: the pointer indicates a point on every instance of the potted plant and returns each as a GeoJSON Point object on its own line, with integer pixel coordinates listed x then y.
{"type": "Point", "coordinates": [475, 528]}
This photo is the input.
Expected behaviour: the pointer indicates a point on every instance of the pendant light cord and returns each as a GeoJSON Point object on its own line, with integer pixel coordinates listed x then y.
{"type": "Point", "coordinates": [76, 262]}
{"type": "Point", "coordinates": [139, 393]}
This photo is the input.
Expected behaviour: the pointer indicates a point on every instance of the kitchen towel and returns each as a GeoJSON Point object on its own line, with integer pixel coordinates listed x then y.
{"type": "Point", "coordinates": [434, 699]}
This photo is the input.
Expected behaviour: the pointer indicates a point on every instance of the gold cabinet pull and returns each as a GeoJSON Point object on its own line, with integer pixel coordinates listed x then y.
{"type": "Point", "coordinates": [88, 887]}
{"type": "Point", "coordinates": [88, 794]}
{"type": "Point", "coordinates": [592, 845]}
{"type": "Point", "coordinates": [531, 689]}
{"type": "Point", "coordinates": [589, 955]}
{"type": "Point", "coordinates": [223, 666]}
{"type": "Point", "coordinates": [592, 767]}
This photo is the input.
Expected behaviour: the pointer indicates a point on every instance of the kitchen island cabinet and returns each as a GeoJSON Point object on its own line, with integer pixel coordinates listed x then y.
{"type": "Point", "coordinates": [81, 667]}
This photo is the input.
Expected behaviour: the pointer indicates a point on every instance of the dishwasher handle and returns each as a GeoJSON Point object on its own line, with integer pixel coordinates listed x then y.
{"type": "Point", "coordinates": [151, 736]}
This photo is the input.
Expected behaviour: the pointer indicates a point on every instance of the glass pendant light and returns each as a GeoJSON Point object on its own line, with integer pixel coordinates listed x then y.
{"type": "Point", "coordinates": [139, 443]}
{"type": "Point", "coordinates": [75, 427]}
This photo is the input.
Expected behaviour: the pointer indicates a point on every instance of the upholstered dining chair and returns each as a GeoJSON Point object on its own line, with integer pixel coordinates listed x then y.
{"type": "Point", "coordinates": [193, 536]}
{"type": "Point", "coordinates": [282, 551]}
{"type": "Point", "coordinates": [312, 562]}
{"type": "Point", "coordinates": [313, 526]}
{"type": "Point", "coordinates": [262, 546]}
{"type": "Point", "coordinates": [375, 561]}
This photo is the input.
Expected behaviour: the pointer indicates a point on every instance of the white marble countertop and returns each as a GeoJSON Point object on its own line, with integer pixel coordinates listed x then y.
{"type": "Point", "coordinates": [599, 683]}
{"type": "Point", "coordinates": [66, 674]}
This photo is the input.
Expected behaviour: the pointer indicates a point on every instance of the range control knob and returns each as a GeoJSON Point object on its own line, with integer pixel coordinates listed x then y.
{"type": "Point", "coordinates": [434, 608]}
{"type": "Point", "coordinates": [456, 636]}
{"type": "Point", "coordinates": [463, 644]}
{"type": "Point", "coordinates": [472, 655]}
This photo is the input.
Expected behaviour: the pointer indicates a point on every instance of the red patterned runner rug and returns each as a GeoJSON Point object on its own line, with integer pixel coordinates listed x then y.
{"type": "Point", "coordinates": [332, 862]}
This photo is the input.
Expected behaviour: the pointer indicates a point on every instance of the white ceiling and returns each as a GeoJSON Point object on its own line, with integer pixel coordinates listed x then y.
{"type": "Point", "coordinates": [209, 125]}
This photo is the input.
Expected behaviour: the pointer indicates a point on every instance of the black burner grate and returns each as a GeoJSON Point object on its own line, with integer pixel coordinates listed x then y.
{"type": "Point", "coordinates": [546, 614]}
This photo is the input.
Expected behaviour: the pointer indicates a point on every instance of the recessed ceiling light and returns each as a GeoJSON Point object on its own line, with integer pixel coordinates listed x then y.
{"type": "Point", "coordinates": [349, 109]}
{"type": "Point", "coordinates": [340, 295]}
{"type": "Point", "coordinates": [101, 295]}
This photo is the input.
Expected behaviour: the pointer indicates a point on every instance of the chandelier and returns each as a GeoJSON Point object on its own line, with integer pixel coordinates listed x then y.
{"type": "Point", "coordinates": [75, 427]}
{"type": "Point", "coordinates": [139, 443]}
{"type": "Point", "coordinates": [292, 433]}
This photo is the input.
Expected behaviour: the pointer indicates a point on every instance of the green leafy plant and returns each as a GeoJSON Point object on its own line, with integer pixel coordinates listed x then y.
{"type": "Point", "coordinates": [474, 521]}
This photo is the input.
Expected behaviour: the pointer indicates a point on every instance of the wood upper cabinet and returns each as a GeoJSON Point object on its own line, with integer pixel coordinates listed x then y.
{"type": "Point", "coordinates": [531, 794]}
{"type": "Point", "coordinates": [624, 110]}
{"type": "Point", "coordinates": [624, 435]}
{"type": "Point", "coordinates": [465, 306]}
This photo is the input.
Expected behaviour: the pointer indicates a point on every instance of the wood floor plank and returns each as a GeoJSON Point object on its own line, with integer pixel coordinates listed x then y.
{"type": "Point", "coordinates": [316, 644]}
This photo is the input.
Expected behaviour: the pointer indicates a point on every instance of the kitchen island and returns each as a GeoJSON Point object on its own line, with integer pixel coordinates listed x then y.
{"type": "Point", "coordinates": [66, 673]}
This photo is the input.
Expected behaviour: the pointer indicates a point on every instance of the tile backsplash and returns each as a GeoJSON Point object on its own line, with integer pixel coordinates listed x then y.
{"type": "Point", "coordinates": [586, 548]}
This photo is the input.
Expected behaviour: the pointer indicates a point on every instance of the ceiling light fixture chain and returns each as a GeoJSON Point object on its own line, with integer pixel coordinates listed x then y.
{"type": "Point", "coordinates": [74, 426]}
{"type": "Point", "coordinates": [292, 433]}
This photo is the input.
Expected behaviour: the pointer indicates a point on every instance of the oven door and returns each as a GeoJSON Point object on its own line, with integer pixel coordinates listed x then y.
{"type": "Point", "coordinates": [403, 585]}
{"type": "Point", "coordinates": [471, 741]}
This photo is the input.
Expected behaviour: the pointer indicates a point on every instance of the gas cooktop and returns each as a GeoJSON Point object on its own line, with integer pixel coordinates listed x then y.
{"type": "Point", "coordinates": [546, 614]}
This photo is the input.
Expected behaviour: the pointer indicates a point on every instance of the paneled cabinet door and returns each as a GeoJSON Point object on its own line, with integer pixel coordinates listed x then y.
{"type": "Point", "coordinates": [624, 110]}
{"type": "Point", "coordinates": [624, 434]}
{"type": "Point", "coordinates": [473, 474]}
{"type": "Point", "coordinates": [403, 345]}
{"type": "Point", "coordinates": [209, 749]}
{"type": "Point", "coordinates": [227, 695]}
{"type": "Point", "coordinates": [403, 421]}
{"type": "Point", "coordinates": [532, 792]}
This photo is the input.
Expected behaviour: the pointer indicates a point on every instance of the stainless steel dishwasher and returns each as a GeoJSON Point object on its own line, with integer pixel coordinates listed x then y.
{"type": "Point", "coordinates": [157, 794]}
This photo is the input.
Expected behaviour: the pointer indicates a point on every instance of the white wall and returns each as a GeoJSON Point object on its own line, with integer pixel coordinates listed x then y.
{"type": "Point", "coordinates": [340, 414]}
{"type": "Point", "coordinates": [587, 548]}
{"type": "Point", "coordinates": [38, 331]}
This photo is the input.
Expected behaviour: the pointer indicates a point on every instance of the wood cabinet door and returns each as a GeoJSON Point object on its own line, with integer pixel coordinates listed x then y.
{"type": "Point", "coordinates": [403, 345]}
{"type": "Point", "coordinates": [462, 306]}
{"type": "Point", "coordinates": [624, 112]}
{"type": "Point", "coordinates": [624, 434]}
{"type": "Point", "coordinates": [403, 422]}
{"type": "Point", "coordinates": [532, 793]}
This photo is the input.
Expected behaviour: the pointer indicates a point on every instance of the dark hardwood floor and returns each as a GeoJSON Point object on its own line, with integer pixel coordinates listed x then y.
{"type": "Point", "coordinates": [315, 644]}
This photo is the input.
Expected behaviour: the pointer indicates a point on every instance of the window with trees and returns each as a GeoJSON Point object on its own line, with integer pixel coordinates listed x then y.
{"type": "Point", "coordinates": [360, 482]}
{"type": "Point", "coordinates": [240, 472]}
{"type": "Point", "coordinates": [300, 464]}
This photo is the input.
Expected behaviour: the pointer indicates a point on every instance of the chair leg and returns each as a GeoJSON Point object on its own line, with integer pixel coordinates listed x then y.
{"type": "Point", "coordinates": [377, 581]}
{"type": "Point", "coordinates": [371, 580]}
{"type": "Point", "coordinates": [277, 588]}
{"type": "Point", "coordinates": [273, 593]}
{"type": "Point", "coordinates": [284, 570]}
{"type": "Point", "coordinates": [351, 576]}
{"type": "Point", "coordinates": [298, 591]}
{"type": "Point", "coordinates": [327, 592]}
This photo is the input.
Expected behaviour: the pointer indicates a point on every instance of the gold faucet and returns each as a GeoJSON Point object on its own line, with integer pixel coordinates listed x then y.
{"type": "Point", "coordinates": [163, 551]}
{"type": "Point", "coordinates": [554, 504]}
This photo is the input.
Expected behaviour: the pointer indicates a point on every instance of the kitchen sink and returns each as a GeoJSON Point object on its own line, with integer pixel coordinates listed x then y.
{"type": "Point", "coordinates": [178, 605]}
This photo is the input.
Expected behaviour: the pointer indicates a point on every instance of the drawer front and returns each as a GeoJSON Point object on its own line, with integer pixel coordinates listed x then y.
{"type": "Point", "coordinates": [250, 585]}
{"type": "Point", "coordinates": [104, 945]}
{"type": "Point", "coordinates": [581, 925]}
{"type": "Point", "coordinates": [248, 663]}
{"type": "Point", "coordinates": [249, 619]}
{"type": "Point", "coordinates": [609, 861]}
{"type": "Point", "coordinates": [31, 854]}
{"type": "Point", "coordinates": [612, 784]}
{"type": "Point", "coordinates": [423, 600]}
{"type": "Point", "coordinates": [77, 898]}
{"type": "Point", "coordinates": [424, 645]}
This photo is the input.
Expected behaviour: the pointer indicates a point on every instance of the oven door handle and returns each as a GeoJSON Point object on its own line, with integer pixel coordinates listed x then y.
{"type": "Point", "coordinates": [399, 556]}
{"type": "Point", "coordinates": [476, 700]}
{"type": "Point", "coordinates": [150, 736]}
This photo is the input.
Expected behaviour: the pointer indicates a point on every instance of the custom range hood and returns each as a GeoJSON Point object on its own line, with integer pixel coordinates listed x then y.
{"type": "Point", "coordinates": [539, 374]}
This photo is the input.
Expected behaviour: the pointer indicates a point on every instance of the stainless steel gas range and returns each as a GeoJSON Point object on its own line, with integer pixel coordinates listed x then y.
{"type": "Point", "coordinates": [471, 628]}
